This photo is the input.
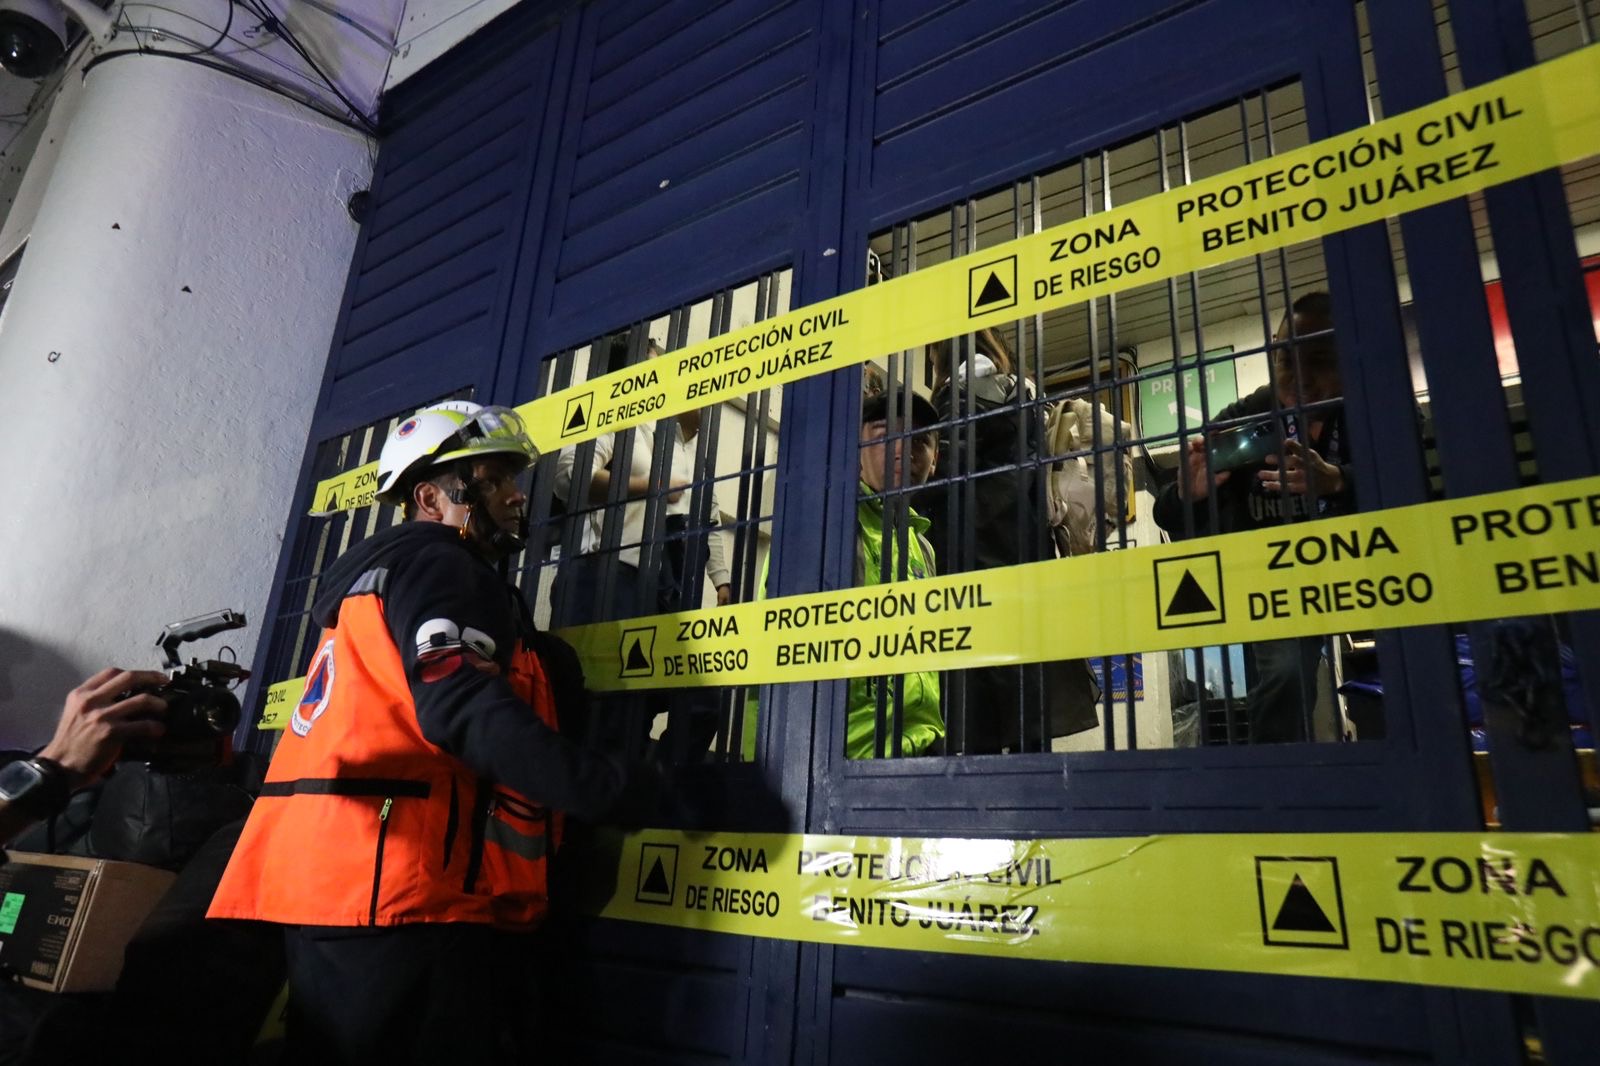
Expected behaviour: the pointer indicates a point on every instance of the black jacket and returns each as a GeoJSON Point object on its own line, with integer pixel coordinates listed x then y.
{"type": "Point", "coordinates": [430, 574]}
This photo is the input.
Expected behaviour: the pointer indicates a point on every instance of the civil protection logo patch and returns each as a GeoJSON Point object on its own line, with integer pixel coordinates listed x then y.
{"type": "Point", "coordinates": [319, 690]}
{"type": "Point", "coordinates": [406, 428]}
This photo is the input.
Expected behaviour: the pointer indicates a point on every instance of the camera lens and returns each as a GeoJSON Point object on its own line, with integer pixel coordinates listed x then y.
{"type": "Point", "coordinates": [198, 712]}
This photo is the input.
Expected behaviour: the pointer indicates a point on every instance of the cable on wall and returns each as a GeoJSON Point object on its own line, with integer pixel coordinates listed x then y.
{"type": "Point", "coordinates": [206, 55]}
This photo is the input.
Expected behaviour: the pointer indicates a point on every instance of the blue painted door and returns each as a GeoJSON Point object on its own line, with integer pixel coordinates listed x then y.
{"type": "Point", "coordinates": [578, 178]}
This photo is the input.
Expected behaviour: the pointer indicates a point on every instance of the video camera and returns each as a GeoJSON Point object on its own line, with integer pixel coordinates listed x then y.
{"type": "Point", "coordinates": [200, 705]}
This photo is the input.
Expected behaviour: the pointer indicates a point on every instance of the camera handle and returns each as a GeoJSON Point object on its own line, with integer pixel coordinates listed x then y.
{"type": "Point", "coordinates": [198, 628]}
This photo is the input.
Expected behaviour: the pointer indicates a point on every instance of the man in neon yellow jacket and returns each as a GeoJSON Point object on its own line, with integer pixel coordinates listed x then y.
{"type": "Point", "coordinates": [887, 464]}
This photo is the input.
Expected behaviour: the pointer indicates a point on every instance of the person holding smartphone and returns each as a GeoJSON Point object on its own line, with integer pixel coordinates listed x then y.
{"type": "Point", "coordinates": [1284, 457]}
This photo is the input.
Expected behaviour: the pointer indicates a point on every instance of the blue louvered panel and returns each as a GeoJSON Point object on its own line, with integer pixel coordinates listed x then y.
{"type": "Point", "coordinates": [891, 1031]}
{"type": "Point", "coordinates": [426, 303]}
{"type": "Point", "coordinates": [1359, 1014]}
{"type": "Point", "coordinates": [607, 179]}
{"type": "Point", "coordinates": [680, 991]}
{"type": "Point", "coordinates": [990, 77]}
{"type": "Point", "coordinates": [690, 149]}
{"type": "Point", "coordinates": [912, 1007]}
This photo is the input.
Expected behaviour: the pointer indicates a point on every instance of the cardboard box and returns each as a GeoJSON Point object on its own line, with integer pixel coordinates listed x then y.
{"type": "Point", "coordinates": [65, 920]}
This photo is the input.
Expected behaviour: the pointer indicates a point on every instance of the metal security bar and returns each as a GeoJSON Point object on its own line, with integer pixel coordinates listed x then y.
{"type": "Point", "coordinates": [669, 516]}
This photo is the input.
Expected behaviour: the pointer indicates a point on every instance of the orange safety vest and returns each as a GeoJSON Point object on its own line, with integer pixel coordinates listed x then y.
{"type": "Point", "coordinates": [363, 821]}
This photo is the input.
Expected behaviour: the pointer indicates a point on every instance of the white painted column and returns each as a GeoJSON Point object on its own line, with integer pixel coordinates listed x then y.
{"type": "Point", "coordinates": [160, 357]}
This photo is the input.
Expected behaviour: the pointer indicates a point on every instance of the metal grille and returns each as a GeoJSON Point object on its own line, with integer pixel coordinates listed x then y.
{"type": "Point", "coordinates": [693, 514]}
{"type": "Point", "coordinates": [1141, 414]}
{"type": "Point", "coordinates": [1093, 426]}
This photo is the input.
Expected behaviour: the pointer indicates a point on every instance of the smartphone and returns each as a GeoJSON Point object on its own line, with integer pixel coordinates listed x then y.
{"type": "Point", "coordinates": [1243, 446]}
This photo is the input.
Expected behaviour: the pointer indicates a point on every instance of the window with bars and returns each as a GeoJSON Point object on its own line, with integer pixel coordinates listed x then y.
{"type": "Point", "coordinates": [1122, 421]}
{"type": "Point", "coordinates": [668, 516]}
{"type": "Point", "coordinates": [1067, 433]}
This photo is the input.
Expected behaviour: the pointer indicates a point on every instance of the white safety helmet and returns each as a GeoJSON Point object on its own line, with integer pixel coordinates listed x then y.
{"type": "Point", "coordinates": [455, 429]}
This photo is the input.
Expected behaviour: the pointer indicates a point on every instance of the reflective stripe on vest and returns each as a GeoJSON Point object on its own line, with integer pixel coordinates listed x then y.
{"type": "Point", "coordinates": [347, 786]}
{"type": "Point", "coordinates": [502, 833]}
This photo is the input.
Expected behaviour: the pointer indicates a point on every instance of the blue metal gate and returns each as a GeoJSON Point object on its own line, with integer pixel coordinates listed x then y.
{"type": "Point", "coordinates": [580, 180]}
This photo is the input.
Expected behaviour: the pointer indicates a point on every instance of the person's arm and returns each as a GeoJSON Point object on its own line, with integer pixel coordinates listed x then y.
{"type": "Point", "coordinates": [466, 707]}
{"type": "Point", "coordinates": [1171, 506]}
{"type": "Point", "coordinates": [717, 556]}
{"type": "Point", "coordinates": [638, 484]}
{"type": "Point", "coordinates": [599, 475]}
{"type": "Point", "coordinates": [600, 485]}
{"type": "Point", "coordinates": [1191, 488]}
{"type": "Point", "coordinates": [566, 460]}
{"type": "Point", "coordinates": [923, 724]}
{"type": "Point", "coordinates": [600, 478]}
{"type": "Point", "coordinates": [97, 719]}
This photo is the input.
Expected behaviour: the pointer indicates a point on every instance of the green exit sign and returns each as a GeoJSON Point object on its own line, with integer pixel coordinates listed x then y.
{"type": "Point", "coordinates": [1158, 395]}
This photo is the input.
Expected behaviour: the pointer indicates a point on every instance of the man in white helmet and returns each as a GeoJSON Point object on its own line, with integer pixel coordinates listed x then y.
{"type": "Point", "coordinates": [403, 833]}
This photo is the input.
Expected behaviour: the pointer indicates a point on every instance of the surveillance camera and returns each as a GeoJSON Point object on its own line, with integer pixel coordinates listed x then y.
{"type": "Point", "coordinates": [33, 37]}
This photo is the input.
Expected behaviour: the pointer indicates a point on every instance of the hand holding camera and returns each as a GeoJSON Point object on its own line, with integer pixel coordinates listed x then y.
{"type": "Point", "coordinates": [113, 708]}
{"type": "Point", "coordinates": [147, 714]}
{"type": "Point", "coordinates": [1235, 448]}
{"type": "Point", "coordinates": [200, 708]}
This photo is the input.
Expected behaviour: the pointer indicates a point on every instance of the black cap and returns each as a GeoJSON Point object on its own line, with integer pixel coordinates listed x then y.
{"type": "Point", "coordinates": [876, 409]}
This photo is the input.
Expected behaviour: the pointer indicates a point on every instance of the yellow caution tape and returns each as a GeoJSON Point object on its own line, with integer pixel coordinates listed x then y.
{"type": "Point", "coordinates": [281, 699]}
{"type": "Point", "coordinates": [1518, 125]}
{"type": "Point", "coordinates": [349, 491]}
{"type": "Point", "coordinates": [1503, 912]}
{"type": "Point", "coordinates": [1521, 552]}
{"type": "Point", "coordinates": [275, 1025]}
{"type": "Point", "coordinates": [1526, 551]}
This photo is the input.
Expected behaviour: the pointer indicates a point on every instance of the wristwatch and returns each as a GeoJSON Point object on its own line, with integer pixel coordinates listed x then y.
{"type": "Point", "coordinates": [37, 786]}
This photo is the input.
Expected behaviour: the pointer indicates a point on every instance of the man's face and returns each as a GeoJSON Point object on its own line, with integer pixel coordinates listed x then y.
{"type": "Point", "coordinates": [1308, 371]}
{"type": "Point", "coordinates": [499, 500]}
{"type": "Point", "coordinates": [881, 461]}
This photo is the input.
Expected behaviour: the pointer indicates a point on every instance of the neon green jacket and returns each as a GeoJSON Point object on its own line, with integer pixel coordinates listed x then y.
{"type": "Point", "coordinates": [921, 723]}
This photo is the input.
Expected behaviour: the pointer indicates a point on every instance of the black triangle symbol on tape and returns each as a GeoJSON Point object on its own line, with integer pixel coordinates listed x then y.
{"type": "Point", "coordinates": [1300, 913]}
{"type": "Point", "coordinates": [333, 501]}
{"type": "Point", "coordinates": [637, 659]}
{"type": "Point", "coordinates": [655, 881]}
{"type": "Point", "coordinates": [994, 290]}
{"type": "Point", "coordinates": [1190, 597]}
{"type": "Point", "coordinates": [579, 419]}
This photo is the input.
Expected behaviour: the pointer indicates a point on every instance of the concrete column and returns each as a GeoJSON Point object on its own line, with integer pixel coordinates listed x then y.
{"type": "Point", "coordinates": [160, 357]}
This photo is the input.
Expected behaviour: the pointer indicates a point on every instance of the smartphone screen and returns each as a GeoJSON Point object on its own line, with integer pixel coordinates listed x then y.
{"type": "Point", "coordinates": [1243, 446]}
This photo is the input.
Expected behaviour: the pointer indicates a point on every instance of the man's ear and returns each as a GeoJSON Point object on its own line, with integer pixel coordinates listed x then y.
{"type": "Point", "coordinates": [429, 500]}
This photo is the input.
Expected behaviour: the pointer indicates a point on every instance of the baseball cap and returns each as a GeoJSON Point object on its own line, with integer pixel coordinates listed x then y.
{"type": "Point", "coordinates": [876, 409]}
